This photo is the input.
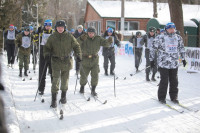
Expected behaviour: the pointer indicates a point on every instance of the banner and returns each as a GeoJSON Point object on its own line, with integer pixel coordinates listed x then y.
{"type": "Point", "coordinates": [125, 49]}
{"type": "Point", "coordinates": [192, 55]}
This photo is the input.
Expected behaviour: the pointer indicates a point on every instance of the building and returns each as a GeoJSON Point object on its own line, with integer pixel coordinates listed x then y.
{"type": "Point", "coordinates": [103, 14]}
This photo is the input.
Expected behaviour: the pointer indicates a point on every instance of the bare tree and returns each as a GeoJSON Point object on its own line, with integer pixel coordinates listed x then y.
{"type": "Point", "coordinates": [176, 12]}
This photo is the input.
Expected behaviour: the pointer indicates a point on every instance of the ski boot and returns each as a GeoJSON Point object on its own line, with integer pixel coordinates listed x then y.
{"type": "Point", "coordinates": [147, 77]}
{"type": "Point", "coordinates": [20, 72]}
{"type": "Point", "coordinates": [153, 77]}
{"type": "Point", "coordinates": [112, 72]}
{"type": "Point", "coordinates": [82, 90]}
{"type": "Point", "coordinates": [54, 100]}
{"type": "Point", "coordinates": [93, 93]}
{"type": "Point", "coordinates": [106, 72]}
{"type": "Point", "coordinates": [25, 73]}
{"type": "Point", "coordinates": [63, 97]}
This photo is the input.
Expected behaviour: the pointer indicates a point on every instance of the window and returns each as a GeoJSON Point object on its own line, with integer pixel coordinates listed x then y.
{"type": "Point", "coordinates": [111, 24]}
{"type": "Point", "coordinates": [133, 25]}
{"type": "Point", "coordinates": [129, 25]}
{"type": "Point", "coordinates": [125, 25]}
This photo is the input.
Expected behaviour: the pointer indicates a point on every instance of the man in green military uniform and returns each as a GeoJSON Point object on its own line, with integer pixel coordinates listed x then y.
{"type": "Point", "coordinates": [90, 46]}
{"type": "Point", "coordinates": [59, 46]}
{"type": "Point", "coordinates": [23, 41]}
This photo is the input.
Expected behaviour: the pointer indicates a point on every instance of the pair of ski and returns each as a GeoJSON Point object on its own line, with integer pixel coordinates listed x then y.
{"type": "Point", "coordinates": [26, 78]}
{"type": "Point", "coordinates": [180, 105]}
{"type": "Point", "coordinates": [59, 114]}
{"type": "Point", "coordinates": [95, 98]}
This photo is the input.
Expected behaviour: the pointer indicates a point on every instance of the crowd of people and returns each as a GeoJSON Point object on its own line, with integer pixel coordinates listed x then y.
{"type": "Point", "coordinates": [55, 46]}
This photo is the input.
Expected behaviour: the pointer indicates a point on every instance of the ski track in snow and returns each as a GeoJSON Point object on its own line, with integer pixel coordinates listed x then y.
{"type": "Point", "coordinates": [132, 110]}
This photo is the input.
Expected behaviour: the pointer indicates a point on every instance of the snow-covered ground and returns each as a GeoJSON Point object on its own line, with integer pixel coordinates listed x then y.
{"type": "Point", "coordinates": [132, 110]}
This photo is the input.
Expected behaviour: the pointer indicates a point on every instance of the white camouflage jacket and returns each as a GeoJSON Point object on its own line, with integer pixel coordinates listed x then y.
{"type": "Point", "coordinates": [169, 48]}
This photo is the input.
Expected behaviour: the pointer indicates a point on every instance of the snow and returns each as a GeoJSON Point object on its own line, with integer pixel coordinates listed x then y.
{"type": "Point", "coordinates": [142, 10]}
{"type": "Point", "coordinates": [133, 110]}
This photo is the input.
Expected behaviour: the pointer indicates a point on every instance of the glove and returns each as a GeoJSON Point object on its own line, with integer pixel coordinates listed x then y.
{"type": "Point", "coordinates": [78, 59]}
{"type": "Point", "coordinates": [152, 63]}
{"type": "Point", "coordinates": [83, 37]}
{"type": "Point", "coordinates": [47, 58]}
{"type": "Point", "coordinates": [110, 40]}
{"type": "Point", "coordinates": [4, 28]}
{"type": "Point", "coordinates": [184, 63]}
{"type": "Point", "coordinates": [39, 29]}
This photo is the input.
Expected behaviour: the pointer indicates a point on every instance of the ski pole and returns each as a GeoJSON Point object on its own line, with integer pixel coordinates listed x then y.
{"type": "Point", "coordinates": [76, 84]}
{"type": "Point", "coordinates": [3, 41]}
{"type": "Point", "coordinates": [114, 86]}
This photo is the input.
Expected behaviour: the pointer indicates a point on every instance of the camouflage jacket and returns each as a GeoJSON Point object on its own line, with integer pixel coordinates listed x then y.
{"type": "Point", "coordinates": [61, 45]}
{"type": "Point", "coordinates": [24, 43]}
{"type": "Point", "coordinates": [169, 48]}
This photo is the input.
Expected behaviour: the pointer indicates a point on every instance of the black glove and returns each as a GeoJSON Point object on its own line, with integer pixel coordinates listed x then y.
{"type": "Point", "coordinates": [184, 63]}
{"type": "Point", "coordinates": [4, 28]}
{"type": "Point", "coordinates": [47, 58]}
{"type": "Point", "coordinates": [78, 59]}
{"type": "Point", "coordinates": [39, 29]}
{"type": "Point", "coordinates": [152, 63]}
{"type": "Point", "coordinates": [83, 37]}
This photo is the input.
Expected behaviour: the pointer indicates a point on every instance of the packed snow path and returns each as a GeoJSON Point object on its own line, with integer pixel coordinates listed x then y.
{"type": "Point", "coordinates": [133, 110]}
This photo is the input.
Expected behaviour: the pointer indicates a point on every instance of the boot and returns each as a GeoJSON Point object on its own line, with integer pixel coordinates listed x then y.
{"type": "Point", "coordinates": [112, 72]}
{"type": "Point", "coordinates": [82, 89]}
{"type": "Point", "coordinates": [63, 97]}
{"type": "Point", "coordinates": [106, 72]}
{"type": "Point", "coordinates": [20, 72]}
{"type": "Point", "coordinates": [137, 69]}
{"type": "Point", "coordinates": [25, 73]}
{"type": "Point", "coordinates": [93, 91]}
{"type": "Point", "coordinates": [147, 77]}
{"type": "Point", "coordinates": [54, 100]}
{"type": "Point", "coordinates": [153, 77]}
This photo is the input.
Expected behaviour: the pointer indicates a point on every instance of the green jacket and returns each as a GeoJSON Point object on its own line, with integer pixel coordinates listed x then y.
{"type": "Point", "coordinates": [91, 46]}
{"type": "Point", "coordinates": [61, 45]}
{"type": "Point", "coordinates": [23, 49]}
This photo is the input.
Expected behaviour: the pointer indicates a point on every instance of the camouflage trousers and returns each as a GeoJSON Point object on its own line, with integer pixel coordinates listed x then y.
{"type": "Point", "coordinates": [23, 61]}
{"type": "Point", "coordinates": [60, 72]}
{"type": "Point", "coordinates": [89, 66]}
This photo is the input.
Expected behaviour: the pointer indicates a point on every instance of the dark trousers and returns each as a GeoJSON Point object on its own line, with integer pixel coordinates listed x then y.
{"type": "Point", "coordinates": [168, 75]}
{"type": "Point", "coordinates": [43, 65]}
{"type": "Point", "coordinates": [109, 55]}
{"type": "Point", "coordinates": [138, 55]}
{"type": "Point", "coordinates": [10, 47]}
{"type": "Point", "coordinates": [154, 68]}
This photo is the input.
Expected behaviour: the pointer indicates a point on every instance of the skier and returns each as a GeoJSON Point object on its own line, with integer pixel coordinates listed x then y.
{"type": "Point", "coordinates": [23, 41]}
{"type": "Point", "coordinates": [169, 46]}
{"type": "Point", "coordinates": [137, 47]}
{"type": "Point", "coordinates": [43, 63]}
{"type": "Point", "coordinates": [109, 52]}
{"type": "Point", "coordinates": [10, 36]}
{"type": "Point", "coordinates": [77, 34]}
{"type": "Point", "coordinates": [90, 46]}
{"type": "Point", "coordinates": [147, 40]}
{"type": "Point", "coordinates": [59, 46]}
{"type": "Point", "coordinates": [72, 31]}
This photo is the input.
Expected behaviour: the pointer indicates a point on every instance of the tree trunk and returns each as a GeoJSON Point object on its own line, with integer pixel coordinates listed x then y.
{"type": "Point", "coordinates": [176, 12]}
{"type": "Point", "coordinates": [155, 13]}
